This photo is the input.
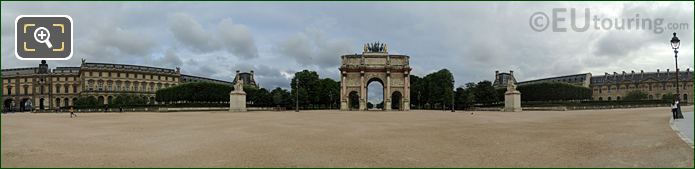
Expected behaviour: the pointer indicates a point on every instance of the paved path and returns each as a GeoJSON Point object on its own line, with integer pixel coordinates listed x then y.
{"type": "Point", "coordinates": [685, 126]}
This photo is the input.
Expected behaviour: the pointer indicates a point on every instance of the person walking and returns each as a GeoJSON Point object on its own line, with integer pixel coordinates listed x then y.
{"type": "Point", "coordinates": [679, 113]}
{"type": "Point", "coordinates": [674, 108]}
{"type": "Point", "coordinates": [72, 112]}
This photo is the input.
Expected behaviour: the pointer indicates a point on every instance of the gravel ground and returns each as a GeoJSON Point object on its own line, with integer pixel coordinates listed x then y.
{"type": "Point", "coordinates": [596, 138]}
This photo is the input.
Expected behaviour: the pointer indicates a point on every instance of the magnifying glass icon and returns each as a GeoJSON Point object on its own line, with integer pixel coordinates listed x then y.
{"type": "Point", "coordinates": [42, 35]}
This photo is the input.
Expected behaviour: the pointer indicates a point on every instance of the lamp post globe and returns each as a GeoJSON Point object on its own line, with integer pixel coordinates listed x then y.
{"type": "Point", "coordinates": [675, 44]}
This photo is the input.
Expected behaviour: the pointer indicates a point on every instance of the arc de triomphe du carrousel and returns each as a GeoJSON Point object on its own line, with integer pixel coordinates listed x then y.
{"type": "Point", "coordinates": [375, 64]}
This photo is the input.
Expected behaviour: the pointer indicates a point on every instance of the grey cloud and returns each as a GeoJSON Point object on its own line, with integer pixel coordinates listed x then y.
{"type": "Point", "coordinates": [170, 59]}
{"type": "Point", "coordinates": [126, 41]}
{"type": "Point", "coordinates": [234, 38]}
{"type": "Point", "coordinates": [312, 48]}
{"type": "Point", "coordinates": [237, 39]}
{"type": "Point", "coordinates": [191, 33]}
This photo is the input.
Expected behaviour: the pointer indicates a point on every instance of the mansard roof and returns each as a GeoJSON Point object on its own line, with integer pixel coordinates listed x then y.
{"type": "Point", "coordinates": [640, 77]}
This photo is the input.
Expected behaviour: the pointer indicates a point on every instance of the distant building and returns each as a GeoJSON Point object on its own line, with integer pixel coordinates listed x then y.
{"type": "Point", "coordinates": [501, 79]}
{"type": "Point", "coordinates": [582, 79]}
{"type": "Point", "coordinates": [656, 84]}
{"type": "Point", "coordinates": [246, 77]}
{"type": "Point", "coordinates": [615, 86]}
{"type": "Point", "coordinates": [40, 88]}
{"type": "Point", "coordinates": [192, 79]}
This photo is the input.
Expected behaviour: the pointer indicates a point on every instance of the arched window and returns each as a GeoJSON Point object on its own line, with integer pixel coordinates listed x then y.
{"type": "Point", "coordinates": [609, 98]}
{"type": "Point", "coordinates": [600, 98]}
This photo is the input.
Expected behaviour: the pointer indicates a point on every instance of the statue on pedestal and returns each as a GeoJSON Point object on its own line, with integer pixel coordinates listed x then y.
{"type": "Point", "coordinates": [237, 98]}
{"type": "Point", "coordinates": [512, 98]}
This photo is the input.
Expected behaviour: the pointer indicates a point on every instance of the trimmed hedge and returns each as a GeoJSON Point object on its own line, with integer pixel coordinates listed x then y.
{"type": "Point", "coordinates": [200, 92]}
{"type": "Point", "coordinates": [550, 91]}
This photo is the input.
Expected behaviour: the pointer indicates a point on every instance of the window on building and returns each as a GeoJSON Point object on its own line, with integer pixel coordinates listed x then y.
{"type": "Point", "coordinates": [74, 88]}
{"type": "Point", "coordinates": [66, 89]}
{"type": "Point", "coordinates": [9, 90]}
{"type": "Point", "coordinates": [57, 89]}
{"type": "Point", "coordinates": [26, 90]}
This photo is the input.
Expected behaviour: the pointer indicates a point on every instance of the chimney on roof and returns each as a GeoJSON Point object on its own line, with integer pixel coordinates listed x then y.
{"type": "Point", "coordinates": [633, 71]}
{"type": "Point", "coordinates": [623, 73]}
{"type": "Point", "coordinates": [687, 70]}
{"type": "Point", "coordinates": [606, 73]}
{"type": "Point", "coordinates": [511, 72]}
{"type": "Point", "coordinates": [641, 73]}
{"type": "Point", "coordinates": [615, 73]}
{"type": "Point", "coordinates": [497, 75]}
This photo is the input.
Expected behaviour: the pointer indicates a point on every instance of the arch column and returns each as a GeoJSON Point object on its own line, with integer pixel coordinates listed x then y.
{"type": "Point", "coordinates": [387, 92]}
{"type": "Point", "coordinates": [405, 103]}
{"type": "Point", "coordinates": [363, 91]}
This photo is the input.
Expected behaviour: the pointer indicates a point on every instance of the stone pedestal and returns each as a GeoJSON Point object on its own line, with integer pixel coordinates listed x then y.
{"type": "Point", "coordinates": [344, 106]}
{"type": "Point", "coordinates": [512, 101]}
{"type": "Point", "coordinates": [387, 105]}
{"type": "Point", "coordinates": [406, 105]}
{"type": "Point", "coordinates": [237, 101]}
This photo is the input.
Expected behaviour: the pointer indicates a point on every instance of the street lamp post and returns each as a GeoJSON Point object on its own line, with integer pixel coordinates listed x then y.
{"type": "Point", "coordinates": [675, 43]}
{"type": "Point", "coordinates": [453, 94]}
{"type": "Point", "coordinates": [330, 106]}
{"type": "Point", "coordinates": [419, 102]}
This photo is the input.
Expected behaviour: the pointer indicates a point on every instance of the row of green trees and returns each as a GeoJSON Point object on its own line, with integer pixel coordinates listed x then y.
{"type": "Point", "coordinates": [200, 92]}
{"type": "Point", "coordinates": [121, 100]}
{"type": "Point", "coordinates": [433, 91]}
{"type": "Point", "coordinates": [314, 92]}
{"type": "Point", "coordinates": [481, 93]}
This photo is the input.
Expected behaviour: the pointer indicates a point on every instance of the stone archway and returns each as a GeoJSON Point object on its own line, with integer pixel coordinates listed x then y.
{"type": "Point", "coordinates": [353, 101]}
{"type": "Point", "coordinates": [374, 63]}
{"type": "Point", "coordinates": [396, 100]}
{"type": "Point", "coordinates": [373, 82]}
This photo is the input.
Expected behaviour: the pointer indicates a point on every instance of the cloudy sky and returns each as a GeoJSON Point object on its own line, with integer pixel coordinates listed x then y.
{"type": "Point", "coordinates": [472, 39]}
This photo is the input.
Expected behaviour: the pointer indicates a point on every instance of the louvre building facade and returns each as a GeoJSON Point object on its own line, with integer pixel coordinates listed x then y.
{"type": "Point", "coordinates": [616, 86]}
{"type": "Point", "coordinates": [41, 88]}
